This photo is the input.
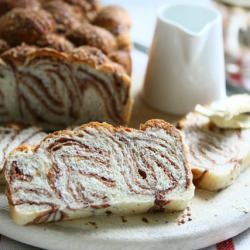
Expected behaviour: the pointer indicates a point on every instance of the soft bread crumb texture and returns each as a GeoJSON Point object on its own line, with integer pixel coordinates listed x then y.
{"type": "Point", "coordinates": [217, 156]}
{"type": "Point", "coordinates": [97, 168]}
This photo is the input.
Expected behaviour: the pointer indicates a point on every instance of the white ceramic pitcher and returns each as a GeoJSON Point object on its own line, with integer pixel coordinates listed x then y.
{"type": "Point", "coordinates": [186, 63]}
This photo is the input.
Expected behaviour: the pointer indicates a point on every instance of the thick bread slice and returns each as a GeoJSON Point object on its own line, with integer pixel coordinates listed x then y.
{"type": "Point", "coordinates": [98, 168]}
{"type": "Point", "coordinates": [217, 156]}
{"type": "Point", "coordinates": [14, 135]}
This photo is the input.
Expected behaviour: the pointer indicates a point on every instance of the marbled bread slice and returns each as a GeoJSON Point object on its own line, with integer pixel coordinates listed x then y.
{"type": "Point", "coordinates": [97, 168]}
{"type": "Point", "coordinates": [216, 155]}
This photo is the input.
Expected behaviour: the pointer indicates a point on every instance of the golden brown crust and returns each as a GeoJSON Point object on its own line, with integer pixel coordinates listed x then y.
{"type": "Point", "coordinates": [8, 5]}
{"type": "Point", "coordinates": [55, 41]}
{"type": "Point", "coordinates": [95, 58]}
{"type": "Point", "coordinates": [66, 16]}
{"type": "Point", "coordinates": [36, 23]}
{"type": "Point", "coordinates": [23, 25]}
{"type": "Point", "coordinates": [91, 35]}
{"type": "Point", "coordinates": [123, 58]}
{"type": "Point", "coordinates": [157, 123]}
{"type": "Point", "coordinates": [124, 41]}
{"type": "Point", "coordinates": [89, 55]}
{"type": "Point", "coordinates": [37, 34]}
{"type": "Point", "coordinates": [154, 123]}
{"type": "Point", "coordinates": [29, 21]}
{"type": "Point", "coordinates": [114, 18]}
{"type": "Point", "coordinates": [90, 8]}
{"type": "Point", "coordinates": [18, 54]}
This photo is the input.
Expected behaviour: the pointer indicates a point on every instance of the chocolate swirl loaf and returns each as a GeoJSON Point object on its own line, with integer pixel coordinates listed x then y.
{"type": "Point", "coordinates": [97, 168]}
{"type": "Point", "coordinates": [53, 89]}
{"type": "Point", "coordinates": [14, 135]}
{"type": "Point", "coordinates": [217, 156]}
{"type": "Point", "coordinates": [60, 65]}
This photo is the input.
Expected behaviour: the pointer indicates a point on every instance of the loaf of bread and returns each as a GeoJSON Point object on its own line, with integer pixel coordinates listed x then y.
{"type": "Point", "coordinates": [64, 62]}
{"type": "Point", "coordinates": [54, 89]}
{"type": "Point", "coordinates": [217, 156]}
{"type": "Point", "coordinates": [98, 168]}
{"type": "Point", "coordinates": [14, 135]}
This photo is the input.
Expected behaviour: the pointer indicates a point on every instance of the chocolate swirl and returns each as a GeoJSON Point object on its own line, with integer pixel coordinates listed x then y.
{"type": "Point", "coordinates": [212, 148]}
{"type": "Point", "coordinates": [14, 135]}
{"type": "Point", "coordinates": [97, 166]}
{"type": "Point", "coordinates": [54, 89]}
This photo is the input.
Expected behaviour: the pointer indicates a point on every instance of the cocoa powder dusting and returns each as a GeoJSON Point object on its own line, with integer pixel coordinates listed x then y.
{"type": "Point", "coordinates": [145, 220]}
{"type": "Point", "coordinates": [92, 223]}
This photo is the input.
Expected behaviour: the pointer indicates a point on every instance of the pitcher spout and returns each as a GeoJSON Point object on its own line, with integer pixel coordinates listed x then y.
{"type": "Point", "coordinates": [193, 20]}
{"type": "Point", "coordinates": [191, 26]}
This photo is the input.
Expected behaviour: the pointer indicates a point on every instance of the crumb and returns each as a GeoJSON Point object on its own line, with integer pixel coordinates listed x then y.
{"type": "Point", "coordinates": [181, 222]}
{"type": "Point", "coordinates": [92, 223]}
{"type": "Point", "coordinates": [108, 213]}
{"type": "Point", "coordinates": [189, 219]}
{"type": "Point", "coordinates": [145, 220]}
{"type": "Point", "coordinates": [124, 219]}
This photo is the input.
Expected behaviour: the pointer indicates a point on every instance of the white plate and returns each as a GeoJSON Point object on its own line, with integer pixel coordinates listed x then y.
{"type": "Point", "coordinates": [210, 218]}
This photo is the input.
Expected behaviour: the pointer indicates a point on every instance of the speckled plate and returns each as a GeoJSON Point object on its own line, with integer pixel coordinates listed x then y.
{"type": "Point", "coordinates": [210, 218]}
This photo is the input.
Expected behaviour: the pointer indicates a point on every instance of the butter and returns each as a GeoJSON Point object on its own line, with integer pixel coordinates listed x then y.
{"type": "Point", "coordinates": [233, 112]}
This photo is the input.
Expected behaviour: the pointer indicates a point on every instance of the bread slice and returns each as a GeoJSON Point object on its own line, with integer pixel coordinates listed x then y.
{"type": "Point", "coordinates": [98, 168]}
{"type": "Point", "coordinates": [217, 156]}
{"type": "Point", "coordinates": [14, 135]}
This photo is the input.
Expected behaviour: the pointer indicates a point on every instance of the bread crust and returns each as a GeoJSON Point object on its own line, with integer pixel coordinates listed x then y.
{"type": "Point", "coordinates": [55, 41]}
{"type": "Point", "coordinates": [91, 35]}
{"type": "Point", "coordinates": [66, 16]}
{"type": "Point", "coordinates": [25, 26]}
{"type": "Point", "coordinates": [37, 23]}
{"type": "Point", "coordinates": [114, 18]}
{"type": "Point", "coordinates": [64, 31]}
{"type": "Point", "coordinates": [8, 5]}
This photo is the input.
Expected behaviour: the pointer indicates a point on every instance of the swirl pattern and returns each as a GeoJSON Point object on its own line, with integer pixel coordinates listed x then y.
{"type": "Point", "coordinates": [96, 168]}
{"type": "Point", "coordinates": [214, 150]}
{"type": "Point", "coordinates": [12, 136]}
{"type": "Point", "coordinates": [54, 89]}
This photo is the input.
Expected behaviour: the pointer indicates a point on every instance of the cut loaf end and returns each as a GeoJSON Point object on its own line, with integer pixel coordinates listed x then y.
{"type": "Point", "coordinates": [98, 168]}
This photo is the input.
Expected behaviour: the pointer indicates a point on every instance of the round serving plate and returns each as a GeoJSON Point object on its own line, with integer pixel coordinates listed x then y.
{"type": "Point", "coordinates": [210, 217]}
